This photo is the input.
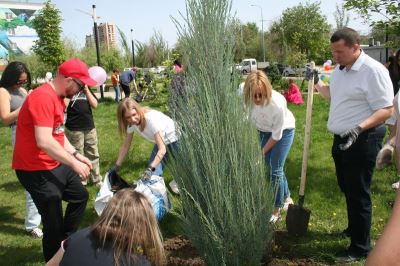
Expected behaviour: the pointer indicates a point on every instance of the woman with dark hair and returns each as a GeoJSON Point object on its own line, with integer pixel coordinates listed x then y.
{"type": "Point", "coordinates": [126, 233]}
{"type": "Point", "coordinates": [12, 95]}
{"type": "Point", "coordinates": [394, 71]}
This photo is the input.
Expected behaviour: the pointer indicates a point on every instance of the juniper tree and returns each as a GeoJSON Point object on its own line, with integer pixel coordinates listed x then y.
{"type": "Point", "coordinates": [226, 198]}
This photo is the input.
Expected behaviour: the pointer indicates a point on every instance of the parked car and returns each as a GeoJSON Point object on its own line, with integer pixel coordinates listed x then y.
{"type": "Point", "coordinates": [286, 71]}
{"type": "Point", "coordinates": [157, 70]}
{"type": "Point", "coordinates": [250, 64]}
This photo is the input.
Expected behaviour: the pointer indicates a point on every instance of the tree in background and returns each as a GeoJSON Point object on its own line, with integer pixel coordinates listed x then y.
{"type": "Point", "coordinates": [152, 53]}
{"type": "Point", "coordinates": [389, 12]}
{"type": "Point", "coordinates": [49, 47]}
{"type": "Point", "coordinates": [303, 29]}
{"type": "Point", "coordinates": [226, 198]}
{"type": "Point", "coordinates": [341, 17]}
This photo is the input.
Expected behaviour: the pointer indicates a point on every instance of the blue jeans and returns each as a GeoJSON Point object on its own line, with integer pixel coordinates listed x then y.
{"type": "Point", "coordinates": [117, 93]}
{"type": "Point", "coordinates": [171, 148]}
{"type": "Point", "coordinates": [275, 160]}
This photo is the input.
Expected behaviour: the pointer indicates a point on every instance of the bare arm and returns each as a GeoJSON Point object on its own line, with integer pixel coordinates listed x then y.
{"type": "Point", "coordinates": [56, 259]}
{"type": "Point", "coordinates": [6, 116]}
{"type": "Point", "coordinates": [124, 149]}
{"type": "Point", "coordinates": [268, 146]}
{"type": "Point", "coordinates": [387, 249]}
{"type": "Point", "coordinates": [89, 96]}
{"type": "Point", "coordinates": [377, 118]}
{"type": "Point", "coordinates": [162, 150]}
{"type": "Point", "coordinates": [323, 90]}
{"type": "Point", "coordinates": [46, 142]}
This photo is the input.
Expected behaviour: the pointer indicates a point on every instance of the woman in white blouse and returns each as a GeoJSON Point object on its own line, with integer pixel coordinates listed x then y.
{"type": "Point", "coordinates": [276, 126]}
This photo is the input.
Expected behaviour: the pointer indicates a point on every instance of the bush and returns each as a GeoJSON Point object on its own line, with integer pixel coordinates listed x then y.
{"type": "Point", "coordinates": [226, 198]}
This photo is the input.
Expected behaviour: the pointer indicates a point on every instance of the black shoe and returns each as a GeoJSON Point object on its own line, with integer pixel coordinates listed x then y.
{"type": "Point", "coordinates": [348, 256]}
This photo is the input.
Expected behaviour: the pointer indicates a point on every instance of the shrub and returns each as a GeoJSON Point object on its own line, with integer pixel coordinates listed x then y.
{"type": "Point", "coordinates": [226, 198]}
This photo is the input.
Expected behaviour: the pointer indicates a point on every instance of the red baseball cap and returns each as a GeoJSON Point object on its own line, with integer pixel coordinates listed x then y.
{"type": "Point", "coordinates": [75, 68]}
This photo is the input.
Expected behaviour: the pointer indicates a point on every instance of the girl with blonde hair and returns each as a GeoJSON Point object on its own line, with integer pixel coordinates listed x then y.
{"type": "Point", "coordinates": [154, 126]}
{"type": "Point", "coordinates": [126, 233]}
{"type": "Point", "coordinates": [276, 126]}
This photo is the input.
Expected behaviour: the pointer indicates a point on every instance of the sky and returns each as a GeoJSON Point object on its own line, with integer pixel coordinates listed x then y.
{"type": "Point", "coordinates": [147, 16]}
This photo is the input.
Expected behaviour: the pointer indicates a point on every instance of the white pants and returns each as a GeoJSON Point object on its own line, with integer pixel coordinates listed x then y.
{"type": "Point", "coordinates": [32, 218]}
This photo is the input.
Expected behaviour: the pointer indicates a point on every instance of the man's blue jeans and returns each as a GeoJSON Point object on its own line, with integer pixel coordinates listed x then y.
{"type": "Point", "coordinates": [171, 148]}
{"type": "Point", "coordinates": [275, 160]}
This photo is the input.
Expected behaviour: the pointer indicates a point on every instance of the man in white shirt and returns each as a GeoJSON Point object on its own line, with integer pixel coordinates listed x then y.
{"type": "Point", "coordinates": [361, 96]}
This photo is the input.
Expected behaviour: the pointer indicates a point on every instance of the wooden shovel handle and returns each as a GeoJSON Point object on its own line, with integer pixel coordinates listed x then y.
{"type": "Point", "coordinates": [307, 134]}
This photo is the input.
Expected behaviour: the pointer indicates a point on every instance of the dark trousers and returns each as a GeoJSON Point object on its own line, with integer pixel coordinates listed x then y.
{"type": "Point", "coordinates": [126, 89]}
{"type": "Point", "coordinates": [48, 189]}
{"type": "Point", "coordinates": [354, 169]}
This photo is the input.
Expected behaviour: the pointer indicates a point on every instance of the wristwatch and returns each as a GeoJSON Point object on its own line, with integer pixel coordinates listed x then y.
{"type": "Point", "coordinates": [152, 168]}
{"type": "Point", "coordinates": [75, 153]}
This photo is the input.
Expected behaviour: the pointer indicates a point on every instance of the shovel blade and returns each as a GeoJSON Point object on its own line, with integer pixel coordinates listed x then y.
{"type": "Point", "coordinates": [297, 220]}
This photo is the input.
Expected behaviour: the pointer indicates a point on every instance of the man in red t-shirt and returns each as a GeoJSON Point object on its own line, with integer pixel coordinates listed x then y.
{"type": "Point", "coordinates": [46, 164]}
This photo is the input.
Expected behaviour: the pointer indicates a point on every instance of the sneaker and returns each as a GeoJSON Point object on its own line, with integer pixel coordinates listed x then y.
{"type": "Point", "coordinates": [348, 256]}
{"type": "Point", "coordinates": [174, 186]}
{"type": "Point", "coordinates": [396, 185]}
{"type": "Point", "coordinates": [274, 218]}
{"type": "Point", "coordinates": [288, 201]}
{"type": "Point", "coordinates": [36, 232]}
{"type": "Point", "coordinates": [384, 157]}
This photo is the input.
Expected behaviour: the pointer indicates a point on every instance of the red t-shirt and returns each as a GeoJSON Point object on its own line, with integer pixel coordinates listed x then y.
{"type": "Point", "coordinates": [43, 107]}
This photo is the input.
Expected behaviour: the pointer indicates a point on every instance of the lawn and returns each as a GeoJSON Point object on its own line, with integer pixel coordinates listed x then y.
{"type": "Point", "coordinates": [322, 193]}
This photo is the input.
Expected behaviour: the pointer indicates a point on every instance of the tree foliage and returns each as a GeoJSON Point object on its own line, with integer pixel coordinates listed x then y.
{"type": "Point", "coordinates": [152, 53]}
{"type": "Point", "coordinates": [226, 199]}
{"type": "Point", "coordinates": [303, 29]}
{"type": "Point", "coordinates": [388, 12]}
{"type": "Point", "coordinates": [49, 47]}
{"type": "Point", "coordinates": [341, 17]}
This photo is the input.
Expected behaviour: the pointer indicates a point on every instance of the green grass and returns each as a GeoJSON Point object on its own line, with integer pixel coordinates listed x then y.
{"type": "Point", "coordinates": [323, 196]}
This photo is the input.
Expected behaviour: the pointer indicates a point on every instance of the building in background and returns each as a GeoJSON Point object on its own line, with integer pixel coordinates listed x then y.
{"type": "Point", "coordinates": [107, 35]}
{"type": "Point", "coordinates": [89, 41]}
{"type": "Point", "coordinates": [17, 35]}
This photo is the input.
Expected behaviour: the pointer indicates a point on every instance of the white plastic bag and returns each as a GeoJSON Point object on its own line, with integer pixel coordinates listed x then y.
{"type": "Point", "coordinates": [156, 192]}
{"type": "Point", "coordinates": [103, 196]}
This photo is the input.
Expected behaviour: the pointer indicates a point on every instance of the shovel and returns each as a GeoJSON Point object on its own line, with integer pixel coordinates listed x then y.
{"type": "Point", "coordinates": [298, 217]}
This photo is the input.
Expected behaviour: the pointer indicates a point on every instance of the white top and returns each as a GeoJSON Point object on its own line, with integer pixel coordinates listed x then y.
{"type": "Point", "coordinates": [357, 93]}
{"type": "Point", "coordinates": [273, 117]}
{"type": "Point", "coordinates": [156, 122]}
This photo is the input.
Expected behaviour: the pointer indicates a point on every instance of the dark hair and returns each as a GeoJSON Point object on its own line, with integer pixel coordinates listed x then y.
{"type": "Point", "coordinates": [176, 62]}
{"type": "Point", "coordinates": [394, 68]}
{"type": "Point", "coordinates": [349, 36]}
{"type": "Point", "coordinates": [115, 70]}
{"type": "Point", "coordinates": [12, 73]}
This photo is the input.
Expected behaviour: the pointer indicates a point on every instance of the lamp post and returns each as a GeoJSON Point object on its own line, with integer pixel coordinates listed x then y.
{"type": "Point", "coordinates": [133, 49]}
{"type": "Point", "coordinates": [96, 38]}
{"type": "Point", "coordinates": [262, 31]}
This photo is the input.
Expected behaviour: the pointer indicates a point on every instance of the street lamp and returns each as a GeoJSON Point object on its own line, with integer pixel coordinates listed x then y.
{"type": "Point", "coordinates": [96, 39]}
{"type": "Point", "coordinates": [133, 49]}
{"type": "Point", "coordinates": [262, 31]}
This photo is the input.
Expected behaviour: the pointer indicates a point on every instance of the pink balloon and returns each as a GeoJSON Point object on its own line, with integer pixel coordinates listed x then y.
{"type": "Point", "coordinates": [98, 74]}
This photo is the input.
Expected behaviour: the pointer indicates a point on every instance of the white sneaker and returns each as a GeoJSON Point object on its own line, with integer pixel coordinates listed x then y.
{"type": "Point", "coordinates": [384, 157]}
{"type": "Point", "coordinates": [274, 218]}
{"type": "Point", "coordinates": [396, 185]}
{"type": "Point", "coordinates": [288, 201]}
{"type": "Point", "coordinates": [36, 232]}
{"type": "Point", "coordinates": [174, 186]}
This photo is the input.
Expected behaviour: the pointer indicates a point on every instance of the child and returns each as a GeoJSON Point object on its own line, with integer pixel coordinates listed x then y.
{"type": "Point", "coordinates": [293, 94]}
{"type": "Point", "coordinates": [154, 126]}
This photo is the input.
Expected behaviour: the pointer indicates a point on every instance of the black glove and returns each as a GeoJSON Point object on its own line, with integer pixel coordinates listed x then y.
{"type": "Point", "coordinates": [316, 77]}
{"type": "Point", "coordinates": [114, 169]}
{"type": "Point", "coordinates": [352, 136]}
{"type": "Point", "coordinates": [311, 74]}
{"type": "Point", "coordinates": [147, 174]}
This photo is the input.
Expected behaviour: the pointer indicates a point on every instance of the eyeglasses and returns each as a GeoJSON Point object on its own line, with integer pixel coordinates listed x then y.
{"type": "Point", "coordinates": [22, 81]}
{"type": "Point", "coordinates": [80, 86]}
